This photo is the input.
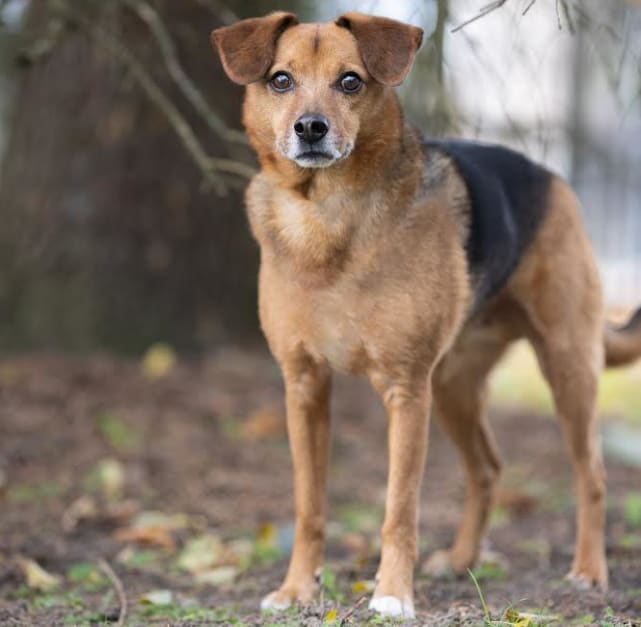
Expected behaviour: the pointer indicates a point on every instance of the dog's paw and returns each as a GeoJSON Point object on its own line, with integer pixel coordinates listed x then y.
{"type": "Point", "coordinates": [287, 596]}
{"type": "Point", "coordinates": [445, 565]}
{"type": "Point", "coordinates": [587, 580]}
{"type": "Point", "coordinates": [393, 606]}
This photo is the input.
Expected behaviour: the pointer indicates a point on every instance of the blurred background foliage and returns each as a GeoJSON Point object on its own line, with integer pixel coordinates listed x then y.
{"type": "Point", "coordinates": [122, 162]}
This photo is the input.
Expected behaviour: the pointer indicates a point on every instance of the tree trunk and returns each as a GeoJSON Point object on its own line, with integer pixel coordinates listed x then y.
{"type": "Point", "coordinates": [107, 238]}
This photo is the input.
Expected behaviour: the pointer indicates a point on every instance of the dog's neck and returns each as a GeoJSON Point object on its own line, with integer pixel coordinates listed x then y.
{"type": "Point", "coordinates": [312, 217]}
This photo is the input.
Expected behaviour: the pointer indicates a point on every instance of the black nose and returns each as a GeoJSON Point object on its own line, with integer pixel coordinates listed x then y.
{"type": "Point", "coordinates": [311, 127]}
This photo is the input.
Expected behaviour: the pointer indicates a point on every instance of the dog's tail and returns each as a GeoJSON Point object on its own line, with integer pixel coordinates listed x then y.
{"type": "Point", "coordinates": [623, 344]}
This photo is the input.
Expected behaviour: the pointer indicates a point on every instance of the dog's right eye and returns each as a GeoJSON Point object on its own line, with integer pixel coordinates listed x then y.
{"type": "Point", "coordinates": [281, 81]}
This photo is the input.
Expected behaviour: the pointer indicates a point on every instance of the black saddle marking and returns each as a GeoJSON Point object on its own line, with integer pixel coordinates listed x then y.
{"type": "Point", "coordinates": [508, 198]}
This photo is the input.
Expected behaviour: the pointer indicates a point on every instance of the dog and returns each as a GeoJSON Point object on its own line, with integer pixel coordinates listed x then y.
{"type": "Point", "coordinates": [414, 262]}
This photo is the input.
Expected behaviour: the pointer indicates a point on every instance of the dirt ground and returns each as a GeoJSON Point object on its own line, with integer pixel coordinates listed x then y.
{"type": "Point", "coordinates": [116, 483]}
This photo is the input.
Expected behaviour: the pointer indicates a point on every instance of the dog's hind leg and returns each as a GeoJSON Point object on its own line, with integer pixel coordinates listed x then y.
{"type": "Point", "coordinates": [559, 290]}
{"type": "Point", "coordinates": [460, 392]}
{"type": "Point", "coordinates": [572, 365]}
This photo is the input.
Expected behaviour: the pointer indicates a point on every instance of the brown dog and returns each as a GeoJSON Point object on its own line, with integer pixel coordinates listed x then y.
{"type": "Point", "coordinates": [415, 263]}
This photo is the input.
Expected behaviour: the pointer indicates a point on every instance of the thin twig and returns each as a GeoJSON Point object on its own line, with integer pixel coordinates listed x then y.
{"type": "Point", "coordinates": [530, 5]}
{"type": "Point", "coordinates": [118, 587]}
{"type": "Point", "coordinates": [154, 22]}
{"type": "Point", "coordinates": [558, 14]}
{"type": "Point", "coordinates": [353, 609]}
{"type": "Point", "coordinates": [483, 11]}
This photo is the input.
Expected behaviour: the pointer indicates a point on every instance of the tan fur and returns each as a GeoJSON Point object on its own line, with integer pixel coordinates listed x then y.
{"type": "Point", "coordinates": [363, 270]}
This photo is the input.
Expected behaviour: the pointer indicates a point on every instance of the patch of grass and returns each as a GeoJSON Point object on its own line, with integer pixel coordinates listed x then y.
{"type": "Point", "coordinates": [387, 621]}
{"type": "Point", "coordinates": [512, 616]}
{"type": "Point", "coordinates": [499, 517]}
{"type": "Point", "coordinates": [487, 618]}
{"type": "Point", "coordinates": [27, 493]}
{"type": "Point", "coordinates": [360, 518]}
{"type": "Point", "coordinates": [619, 393]}
{"type": "Point", "coordinates": [330, 586]}
{"type": "Point", "coordinates": [141, 559]}
{"type": "Point", "coordinates": [176, 611]}
{"type": "Point", "coordinates": [51, 600]}
{"type": "Point", "coordinates": [632, 510]}
{"type": "Point", "coordinates": [87, 576]}
{"type": "Point", "coordinates": [489, 570]}
{"type": "Point", "coordinates": [517, 383]}
{"type": "Point", "coordinates": [289, 617]}
{"type": "Point", "coordinates": [118, 434]}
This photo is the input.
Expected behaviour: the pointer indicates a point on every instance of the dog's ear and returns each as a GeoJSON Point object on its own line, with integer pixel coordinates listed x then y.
{"type": "Point", "coordinates": [388, 47]}
{"type": "Point", "coordinates": [247, 48]}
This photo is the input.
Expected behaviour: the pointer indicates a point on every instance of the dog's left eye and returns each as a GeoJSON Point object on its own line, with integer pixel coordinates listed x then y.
{"type": "Point", "coordinates": [350, 83]}
{"type": "Point", "coordinates": [281, 81]}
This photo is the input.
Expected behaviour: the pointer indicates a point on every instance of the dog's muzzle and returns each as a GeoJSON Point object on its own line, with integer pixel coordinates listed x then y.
{"type": "Point", "coordinates": [311, 144]}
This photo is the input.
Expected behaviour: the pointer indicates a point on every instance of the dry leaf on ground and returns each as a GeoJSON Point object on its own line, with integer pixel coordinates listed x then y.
{"type": "Point", "coordinates": [36, 576]}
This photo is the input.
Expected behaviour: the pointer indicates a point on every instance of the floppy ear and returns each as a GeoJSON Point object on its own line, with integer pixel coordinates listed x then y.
{"type": "Point", "coordinates": [247, 48]}
{"type": "Point", "coordinates": [388, 47]}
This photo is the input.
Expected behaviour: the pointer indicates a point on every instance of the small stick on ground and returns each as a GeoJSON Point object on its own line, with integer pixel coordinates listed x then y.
{"type": "Point", "coordinates": [120, 590]}
{"type": "Point", "coordinates": [353, 609]}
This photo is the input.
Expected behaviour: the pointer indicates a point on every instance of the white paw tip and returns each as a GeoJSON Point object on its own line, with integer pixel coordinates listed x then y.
{"type": "Point", "coordinates": [270, 603]}
{"type": "Point", "coordinates": [583, 582]}
{"type": "Point", "coordinates": [392, 606]}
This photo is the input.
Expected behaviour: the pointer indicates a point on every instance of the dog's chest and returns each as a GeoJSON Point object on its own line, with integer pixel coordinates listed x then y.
{"type": "Point", "coordinates": [335, 332]}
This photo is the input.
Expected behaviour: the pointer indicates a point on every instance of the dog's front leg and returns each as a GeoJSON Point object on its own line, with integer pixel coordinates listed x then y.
{"type": "Point", "coordinates": [307, 390]}
{"type": "Point", "coordinates": [408, 412]}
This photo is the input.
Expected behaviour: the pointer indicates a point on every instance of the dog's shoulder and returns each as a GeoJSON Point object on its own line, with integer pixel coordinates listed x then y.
{"type": "Point", "coordinates": [507, 195]}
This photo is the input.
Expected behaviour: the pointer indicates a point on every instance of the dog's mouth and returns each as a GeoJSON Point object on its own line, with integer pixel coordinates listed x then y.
{"type": "Point", "coordinates": [320, 158]}
{"type": "Point", "coordinates": [311, 158]}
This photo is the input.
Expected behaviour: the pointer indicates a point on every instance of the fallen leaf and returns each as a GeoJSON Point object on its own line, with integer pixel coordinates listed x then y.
{"type": "Point", "coordinates": [331, 616]}
{"type": "Point", "coordinates": [158, 361]}
{"type": "Point", "coordinates": [202, 553]}
{"type": "Point", "coordinates": [264, 423]}
{"type": "Point", "coordinates": [170, 522]}
{"type": "Point", "coordinates": [147, 535]}
{"type": "Point", "coordinates": [243, 550]}
{"type": "Point", "coordinates": [268, 533]}
{"type": "Point", "coordinates": [363, 585]}
{"type": "Point", "coordinates": [37, 577]}
{"type": "Point", "coordinates": [82, 508]}
{"type": "Point", "coordinates": [108, 476]}
{"type": "Point", "coordinates": [529, 619]}
{"type": "Point", "coordinates": [217, 576]}
{"type": "Point", "coordinates": [157, 597]}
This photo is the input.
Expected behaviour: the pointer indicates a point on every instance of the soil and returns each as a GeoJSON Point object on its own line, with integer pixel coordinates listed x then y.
{"type": "Point", "coordinates": [207, 440]}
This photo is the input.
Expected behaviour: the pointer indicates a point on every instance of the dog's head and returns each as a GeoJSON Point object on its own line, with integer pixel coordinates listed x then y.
{"type": "Point", "coordinates": [315, 90]}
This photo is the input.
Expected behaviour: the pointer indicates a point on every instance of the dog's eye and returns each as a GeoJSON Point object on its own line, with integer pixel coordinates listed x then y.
{"type": "Point", "coordinates": [281, 81]}
{"type": "Point", "coordinates": [350, 83]}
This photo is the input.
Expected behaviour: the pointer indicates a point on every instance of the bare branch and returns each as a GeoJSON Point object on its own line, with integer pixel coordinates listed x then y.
{"type": "Point", "coordinates": [160, 32]}
{"type": "Point", "coordinates": [209, 166]}
{"type": "Point", "coordinates": [483, 11]}
{"type": "Point", "coordinates": [529, 6]}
